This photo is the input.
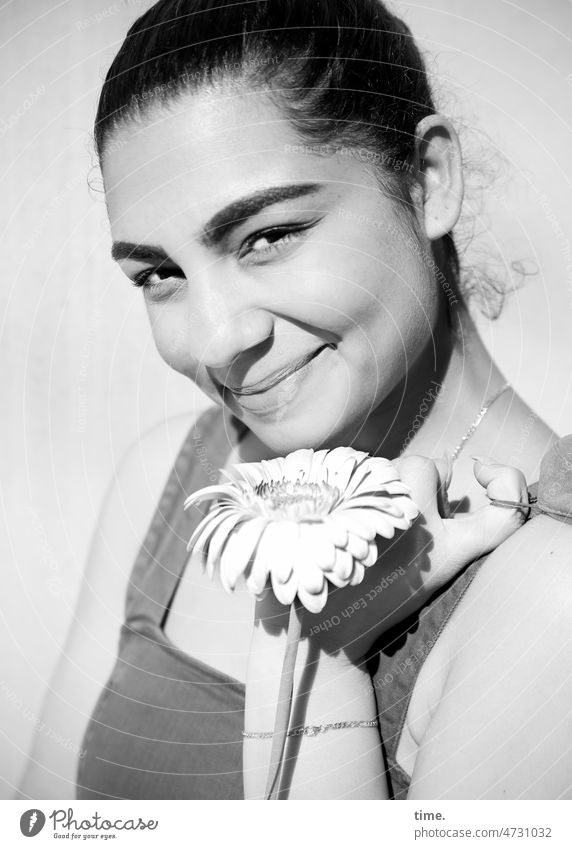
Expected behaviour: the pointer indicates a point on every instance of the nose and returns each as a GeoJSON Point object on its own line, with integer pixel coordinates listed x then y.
{"type": "Point", "coordinates": [226, 319]}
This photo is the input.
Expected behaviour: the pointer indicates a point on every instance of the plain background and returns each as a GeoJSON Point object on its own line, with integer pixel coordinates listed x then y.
{"type": "Point", "coordinates": [81, 380]}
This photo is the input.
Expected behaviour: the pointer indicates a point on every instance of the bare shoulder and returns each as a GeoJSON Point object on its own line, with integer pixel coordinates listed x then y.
{"type": "Point", "coordinates": [501, 727]}
{"type": "Point", "coordinates": [90, 650]}
{"type": "Point", "coordinates": [143, 470]}
{"type": "Point", "coordinates": [532, 569]}
{"type": "Point", "coordinates": [126, 513]}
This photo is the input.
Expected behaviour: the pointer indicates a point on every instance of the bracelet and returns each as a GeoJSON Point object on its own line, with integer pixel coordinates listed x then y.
{"type": "Point", "coordinates": [312, 730]}
{"type": "Point", "coordinates": [514, 505]}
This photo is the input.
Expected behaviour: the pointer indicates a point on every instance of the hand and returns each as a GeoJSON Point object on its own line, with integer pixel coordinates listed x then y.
{"type": "Point", "coordinates": [415, 563]}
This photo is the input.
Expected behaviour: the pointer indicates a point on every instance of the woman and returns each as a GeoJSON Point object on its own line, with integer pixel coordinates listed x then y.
{"type": "Point", "coordinates": [281, 189]}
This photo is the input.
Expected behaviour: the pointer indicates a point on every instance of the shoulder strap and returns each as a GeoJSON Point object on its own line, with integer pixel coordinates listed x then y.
{"type": "Point", "coordinates": [397, 660]}
{"type": "Point", "coordinates": [163, 555]}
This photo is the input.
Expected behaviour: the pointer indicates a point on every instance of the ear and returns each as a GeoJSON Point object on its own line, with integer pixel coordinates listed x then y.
{"type": "Point", "coordinates": [439, 167]}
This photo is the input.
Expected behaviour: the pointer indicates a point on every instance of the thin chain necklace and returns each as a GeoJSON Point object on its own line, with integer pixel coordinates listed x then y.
{"type": "Point", "coordinates": [482, 413]}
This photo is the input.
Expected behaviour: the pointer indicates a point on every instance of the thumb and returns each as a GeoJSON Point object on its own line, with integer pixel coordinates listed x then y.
{"type": "Point", "coordinates": [484, 529]}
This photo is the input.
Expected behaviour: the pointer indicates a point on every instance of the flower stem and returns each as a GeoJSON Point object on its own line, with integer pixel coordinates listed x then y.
{"type": "Point", "coordinates": [284, 706]}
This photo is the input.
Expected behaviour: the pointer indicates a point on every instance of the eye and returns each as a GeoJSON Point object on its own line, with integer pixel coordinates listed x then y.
{"type": "Point", "coordinates": [266, 243]}
{"type": "Point", "coordinates": [153, 278]}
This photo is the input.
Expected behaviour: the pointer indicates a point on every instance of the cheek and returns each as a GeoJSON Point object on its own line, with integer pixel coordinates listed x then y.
{"type": "Point", "coordinates": [382, 307]}
{"type": "Point", "coordinates": [382, 296]}
{"type": "Point", "coordinates": [167, 326]}
{"type": "Point", "coordinates": [170, 327]}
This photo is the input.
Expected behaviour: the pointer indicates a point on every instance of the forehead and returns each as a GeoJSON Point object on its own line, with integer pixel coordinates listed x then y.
{"type": "Point", "coordinates": [201, 151]}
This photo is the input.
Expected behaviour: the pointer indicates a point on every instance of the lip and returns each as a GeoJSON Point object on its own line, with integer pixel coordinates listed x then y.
{"type": "Point", "coordinates": [272, 403]}
{"type": "Point", "coordinates": [276, 377]}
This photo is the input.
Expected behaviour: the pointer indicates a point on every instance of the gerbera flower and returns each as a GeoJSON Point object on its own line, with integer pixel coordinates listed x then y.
{"type": "Point", "coordinates": [301, 521]}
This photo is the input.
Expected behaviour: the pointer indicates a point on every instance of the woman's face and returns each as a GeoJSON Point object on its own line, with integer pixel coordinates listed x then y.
{"type": "Point", "coordinates": [279, 279]}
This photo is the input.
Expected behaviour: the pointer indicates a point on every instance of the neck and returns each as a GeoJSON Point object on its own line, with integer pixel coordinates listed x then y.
{"type": "Point", "coordinates": [432, 408]}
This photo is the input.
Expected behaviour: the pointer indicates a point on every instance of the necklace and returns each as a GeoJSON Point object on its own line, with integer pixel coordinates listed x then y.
{"type": "Point", "coordinates": [482, 413]}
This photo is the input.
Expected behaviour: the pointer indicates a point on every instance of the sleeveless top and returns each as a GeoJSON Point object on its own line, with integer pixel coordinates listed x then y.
{"type": "Point", "coordinates": [167, 726]}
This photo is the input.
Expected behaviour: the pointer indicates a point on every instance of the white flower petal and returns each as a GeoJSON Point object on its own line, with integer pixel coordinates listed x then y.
{"type": "Point", "coordinates": [309, 576]}
{"type": "Point", "coordinates": [250, 472]}
{"type": "Point", "coordinates": [286, 593]}
{"type": "Point", "coordinates": [319, 545]}
{"type": "Point", "coordinates": [297, 464]}
{"type": "Point", "coordinates": [402, 524]}
{"type": "Point", "coordinates": [336, 530]}
{"type": "Point", "coordinates": [314, 602]}
{"type": "Point", "coordinates": [357, 574]}
{"type": "Point", "coordinates": [357, 523]}
{"type": "Point", "coordinates": [316, 473]}
{"type": "Point", "coordinates": [342, 473]}
{"type": "Point", "coordinates": [210, 566]}
{"type": "Point", "coordinates": [261, 563]}
{"type": "Point", "coordinates": [396, 488]}
{"type": "Point", "coordinates": [372, 556]}
{"type": "Point", "coordinates": [236, 555]}
{"type": "Point", "coordinates": [220, 537]}
{"type": "Point", "coordinates": [359, 479]}
{"type": "Point", "coordinates": [405, 509]}
{"type": "Point", "coordinates": [357, 546]}
{"type": "Point", "coordinates": [261, 596]}
{"type": "Point", "coordinates": [334, 578]}
{"type": "Point", "coordinates": [409, 507]}
{"type": "Point", "coordinates": [383, 470]}
{"type": "Point", "coordinates": [377, 473]}
{"type": "Point", "coordinates": [277, 551]}
{"type": "Point", "coordinates": [256, 581]}
{"type": "Point", "coordinates": [383, 524]}
{"type": "Point", "coordinates": [337, 456]}
{"type": "Point", "coordinates": [374, 502]}
{"type": "Point", "coordinates": [274, 469]}
{"type": "Point", "coordinates": [207, 527]}
{"type": "Point", "coordinates": [218, 491]}
{"type": "Point", "coordinates": [380, 462]}
{"type": "Point", "coordinates": [344, 565]}
{"type": "Point", "coordinates": [285, 540]}
{"type": "Point", "coordinates": [367, 480]}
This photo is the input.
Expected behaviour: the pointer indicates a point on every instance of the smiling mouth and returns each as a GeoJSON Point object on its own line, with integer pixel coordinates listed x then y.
{"type": "Point", "coordinates": [275, 377]}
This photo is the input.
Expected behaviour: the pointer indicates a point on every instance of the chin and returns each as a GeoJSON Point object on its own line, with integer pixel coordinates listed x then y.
{"type": "Point", "coordinates": [319, 428]}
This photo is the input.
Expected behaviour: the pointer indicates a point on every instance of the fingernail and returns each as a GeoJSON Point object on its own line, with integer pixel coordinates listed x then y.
{"type": "Point", "coordinates": [484, 460]}
{"type": "Point", "coordinates": [449, 461]}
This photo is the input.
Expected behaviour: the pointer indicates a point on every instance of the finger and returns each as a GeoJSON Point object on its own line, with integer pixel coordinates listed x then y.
{"type": "Point", "coordinates": [444, 466]}
{"type": "Point", "coordinates": [483, 530]}
{"type": "Point", "coordinates": [428, 479]}
{"type": "Point", "coordinates": [424, 479]}
{"type": "Point", "coordinates": [503, 482]}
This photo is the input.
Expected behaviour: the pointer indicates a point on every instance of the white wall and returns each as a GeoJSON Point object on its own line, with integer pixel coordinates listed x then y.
{"type": "Point", "coordinates": [80, 379]}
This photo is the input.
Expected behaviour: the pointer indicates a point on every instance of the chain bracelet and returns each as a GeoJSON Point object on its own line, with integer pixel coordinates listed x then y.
{"type": "Point", "coordinates": [313, 730]}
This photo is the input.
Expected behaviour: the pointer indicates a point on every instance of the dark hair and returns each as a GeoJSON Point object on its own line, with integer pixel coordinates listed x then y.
{"type": "Point", "coordinates": [343, 71]}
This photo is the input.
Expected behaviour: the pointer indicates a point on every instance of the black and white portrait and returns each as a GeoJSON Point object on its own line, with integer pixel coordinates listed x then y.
{"type": "Point", "coordinates": [286, 478]}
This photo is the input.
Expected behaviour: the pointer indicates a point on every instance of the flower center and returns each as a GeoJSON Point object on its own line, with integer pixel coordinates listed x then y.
{"type": "Point", "coordinates": [295, 500]}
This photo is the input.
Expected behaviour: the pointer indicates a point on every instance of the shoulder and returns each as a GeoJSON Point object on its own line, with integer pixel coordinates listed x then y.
{"type": "Point", "coordinates": [91, 646]}
{"type": "Point", "coordinates": [521, 594]}
{"type": "Point", "coordinates": [133, 493]}
{"type": "Point", "coordinates": [536, 557]}
{"type": "Point", "coordinates": [539, 554]}
{"type": "Point", "coordinates": [508, 690]}
{"type": "Point", "coordinates": [127, 511]}
{"type": "Point", "coordinates": [148, 460]}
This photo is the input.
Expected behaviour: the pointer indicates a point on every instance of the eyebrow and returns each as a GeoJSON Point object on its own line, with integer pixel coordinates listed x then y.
{"type": "Point", "coordinates": [222, 223]}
